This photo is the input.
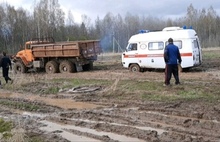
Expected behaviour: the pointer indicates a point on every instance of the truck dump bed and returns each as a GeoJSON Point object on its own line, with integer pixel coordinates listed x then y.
{"type": "Point", "coordinates": [86, 49]}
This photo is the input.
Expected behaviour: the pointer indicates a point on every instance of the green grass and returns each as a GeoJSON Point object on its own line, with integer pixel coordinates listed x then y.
{"type": "Point", "coordinates": [139, 85]}
{"type": "Point", "coordinates": [19, 105]}
{"type": "Point", "coordinates": [51, 90]}
{"type": "Point", "coordinates": [183, 92]}
{"type": "Point", "coordinates": [126, 89]}
{"type": "Point", "coordinates": [210, 54]}
{"type": "Point", "coordinates": [5, 128]}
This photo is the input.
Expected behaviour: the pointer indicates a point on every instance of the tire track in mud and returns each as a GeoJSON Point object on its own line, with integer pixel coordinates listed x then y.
{"type": "Point", "coordinates": [145, 125]}
{"type": "Point", "coordinates": [143, 121]}
{"type": "Point", "coordinates": [56, 128]}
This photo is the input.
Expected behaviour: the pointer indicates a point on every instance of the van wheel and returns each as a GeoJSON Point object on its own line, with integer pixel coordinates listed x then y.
{"type": "Point", "coordinates": [134, 68]}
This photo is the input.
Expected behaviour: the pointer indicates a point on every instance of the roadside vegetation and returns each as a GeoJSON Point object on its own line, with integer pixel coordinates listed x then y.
{"type": "Point", "coordinates": [5, 129]}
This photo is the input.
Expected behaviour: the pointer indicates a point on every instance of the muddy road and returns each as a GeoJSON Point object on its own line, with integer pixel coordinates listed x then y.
{"type": "Point", "coordinates": [100, 105]}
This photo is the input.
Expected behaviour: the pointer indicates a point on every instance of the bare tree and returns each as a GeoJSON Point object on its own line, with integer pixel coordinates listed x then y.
{"type": "Point", "coordinates": [70, 19]}
{"type": "Point", "coordinates": [49, 17]}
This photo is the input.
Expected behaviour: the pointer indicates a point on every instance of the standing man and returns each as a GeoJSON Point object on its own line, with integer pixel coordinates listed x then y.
{"type": "Point", "coordinates": [6, 64]}
{"type": "Point", "coordinates": [172, 58]}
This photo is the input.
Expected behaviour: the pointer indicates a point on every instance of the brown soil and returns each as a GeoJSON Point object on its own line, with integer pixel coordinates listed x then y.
{"type": "Point", "coordinates": [89, 113]}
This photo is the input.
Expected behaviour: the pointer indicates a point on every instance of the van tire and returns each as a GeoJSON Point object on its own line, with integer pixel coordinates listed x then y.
{"type": "Point", "coordinates": [134, 68]}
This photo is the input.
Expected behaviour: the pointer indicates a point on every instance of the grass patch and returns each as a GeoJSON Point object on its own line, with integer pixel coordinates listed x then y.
{"type": "Point", "coordinates": [210, 55]}
{"type": "Point", "coordinates": [123, 89]}
{"type": "Point", "coordinates": [51, 90]}
{"type": "Point", "coordinates": [156, 97]}
{"type": "Point", "coordinates": [19, 105]}
{"type": "Point", "coordinates": [126, 89]}
{"type": "Point", "coordinates": [184, 92]}
{"type": "Point", "coordinates": [133, 86]}
{"type": "Point", "coordinates": [5, 128]}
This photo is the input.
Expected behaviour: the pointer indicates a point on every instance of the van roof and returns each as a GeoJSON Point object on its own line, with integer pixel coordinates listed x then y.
{"type": "Point", "coordinates": [169, 32]}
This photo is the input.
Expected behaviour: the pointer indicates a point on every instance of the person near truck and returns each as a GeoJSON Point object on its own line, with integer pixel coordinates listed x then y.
{"type": "Point", "coordinates": [0, 67]}
{"type": "Point", "coordinates": [5, 63]}
{"type": "Point", "coordinates": [172, 58]}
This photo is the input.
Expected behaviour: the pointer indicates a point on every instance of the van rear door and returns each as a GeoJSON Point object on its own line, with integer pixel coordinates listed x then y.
{"type": "Point", "coordinates": [197, 59]}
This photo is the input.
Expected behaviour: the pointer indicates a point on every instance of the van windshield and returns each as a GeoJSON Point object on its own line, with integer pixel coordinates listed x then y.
{"type": "Point", "coordinates": [132, 46]}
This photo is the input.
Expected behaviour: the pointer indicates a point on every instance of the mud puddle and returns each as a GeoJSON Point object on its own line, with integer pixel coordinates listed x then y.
{"type": "Point", "coordinates": [50, 127]}
{"type": "Point", "coordinates": [159, 131]}
{"type": "Point", "coordinates": [54, 127]}
{"type": "Point", "coordinates": [79, 133]}
{"type": "Point", "coordinates": [61, 103]}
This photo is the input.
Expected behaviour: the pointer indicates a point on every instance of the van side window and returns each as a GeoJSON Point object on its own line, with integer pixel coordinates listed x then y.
{"type": "Point", "coordinates": [156, 45]}
{"type": "Point", "coordinates": [178, 43]}
{"type": "Point", "coordinates": [132, 46]}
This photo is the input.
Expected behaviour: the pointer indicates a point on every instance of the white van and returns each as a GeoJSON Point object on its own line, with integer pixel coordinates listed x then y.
{"type": "Point", "coordinates": [145, 50]}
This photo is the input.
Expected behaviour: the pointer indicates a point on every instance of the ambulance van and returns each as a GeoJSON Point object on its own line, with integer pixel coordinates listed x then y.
{"type": "Point", "coordinates": [145, 50]}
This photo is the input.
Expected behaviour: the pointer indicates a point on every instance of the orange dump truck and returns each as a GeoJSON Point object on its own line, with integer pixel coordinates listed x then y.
{"type": "Point", "coordinates": [54, 57]}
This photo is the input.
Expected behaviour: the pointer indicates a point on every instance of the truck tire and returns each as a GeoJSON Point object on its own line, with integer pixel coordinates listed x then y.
{"type": "Point", "coordinates": [66, 67]}
{"type": "Point", "coordinates": [134, 68]}
{"type": "Point", "coordinates": [91, 66]}
{"type": "Point", "coordinates": [88, 67]}
{"type": "Point", "coordinates": [51, 67]}
{"type": "Point", "coordinates": [19, 67]}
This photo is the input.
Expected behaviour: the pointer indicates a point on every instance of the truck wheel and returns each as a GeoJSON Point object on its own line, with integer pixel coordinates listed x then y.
{"type": "Point", "coordinates": [134, 68]}
{"type": "Point", "coordinates": [88, 67]}
{"type": "Point", "coordinates": [51, 67]}
{"type": "Point", "coordinates": [19, 67]}
{"type": "Point", "coordinates": [91, 66]}
{"type": "Point", "coordinates": [66, 67]}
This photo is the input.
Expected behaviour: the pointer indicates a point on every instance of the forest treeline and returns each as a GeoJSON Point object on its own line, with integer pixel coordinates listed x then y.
{"type": "Point", "coordinates": [47, 19]}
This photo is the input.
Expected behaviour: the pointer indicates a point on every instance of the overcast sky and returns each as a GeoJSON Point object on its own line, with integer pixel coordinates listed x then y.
{"type": "Point", "coordinates": [95, 8]}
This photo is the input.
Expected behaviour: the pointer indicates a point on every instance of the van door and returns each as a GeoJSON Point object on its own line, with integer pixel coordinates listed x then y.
{"type": "Point", "coordinates": [131, 55]}
{"type": "Point", "coordinates": [197, 59]}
